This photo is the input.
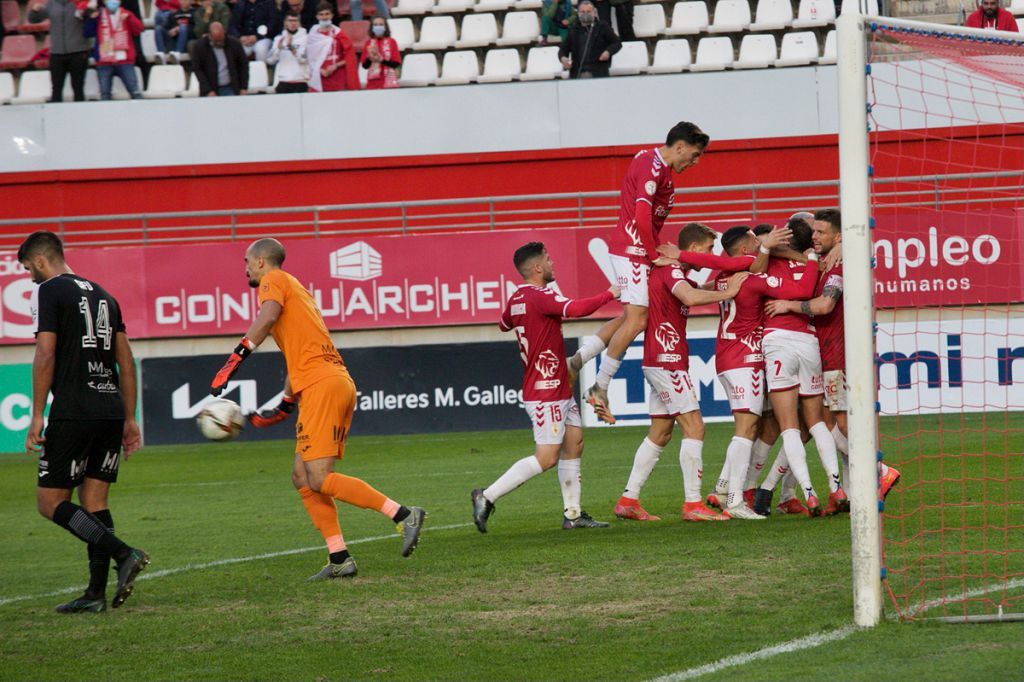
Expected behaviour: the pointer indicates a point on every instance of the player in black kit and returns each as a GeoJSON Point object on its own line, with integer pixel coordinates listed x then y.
{"type": "Point", "coordinates": [83, 357]}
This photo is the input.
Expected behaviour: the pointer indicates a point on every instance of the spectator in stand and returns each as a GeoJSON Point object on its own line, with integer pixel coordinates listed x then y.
{"type": "Point", "coordinates": [588, 51]}
{"type": "Point", "coordinates": [555, 19]}
{"type": "Point", "coordinates": [306, 9]}
{"type": "Point", "coordinates": [69, 48]}
{"type": "Point", "coordinates": [289, 53]}
{"type": "Point", "coordinates": [623, 17]}
{"type": "Point", "coordinates": [164, 10]}
{"type": "Point", "coordinates": [219, 63]}
{"type": "Point", "coordinates": [381, 57]}
{"type": "Point", "coordinates": [333, 63]}
{"type": "Point", "coordinates": [991, 16]}
{"type": "Point", "coordinates": [209, 12]}
{"type": "Point", "coordinates": [175, 31]}
{"type": "Point", "coordinates": [114, 29]}
{"type": "Point", "coordinates": [356, 9]}
{"type": "Point", "coordinates": [254, 22]}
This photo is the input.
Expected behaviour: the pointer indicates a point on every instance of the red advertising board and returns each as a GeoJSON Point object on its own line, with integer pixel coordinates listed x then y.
{"type": "Point", "coordinates": [924, 259]}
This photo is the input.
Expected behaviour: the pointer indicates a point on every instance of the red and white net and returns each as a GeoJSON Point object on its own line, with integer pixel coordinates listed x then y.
{"type": "Point", "coordinates": [946, 118]}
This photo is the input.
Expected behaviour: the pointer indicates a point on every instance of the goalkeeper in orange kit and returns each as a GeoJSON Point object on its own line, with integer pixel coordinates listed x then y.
{"type": "Point", "coordinates": [320, 386]}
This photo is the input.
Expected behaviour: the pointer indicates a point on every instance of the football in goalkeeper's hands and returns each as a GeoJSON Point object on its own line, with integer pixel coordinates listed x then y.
{"type": "Point", "coordinates": [221, 420]}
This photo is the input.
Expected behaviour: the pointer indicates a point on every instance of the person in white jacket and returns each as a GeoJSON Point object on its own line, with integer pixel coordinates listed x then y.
{"type": "Point", "coordinates": [289, 53]}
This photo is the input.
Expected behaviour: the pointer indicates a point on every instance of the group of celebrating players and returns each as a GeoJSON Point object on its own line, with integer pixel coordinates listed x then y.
{"type": "Point", "coordinates": [780, 335]}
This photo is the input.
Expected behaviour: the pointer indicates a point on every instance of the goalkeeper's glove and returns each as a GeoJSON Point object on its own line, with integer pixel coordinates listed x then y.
{"type": "Point", "coordinates": [243, 350]}
{"type": "Point", "coordinates": [262, 420]}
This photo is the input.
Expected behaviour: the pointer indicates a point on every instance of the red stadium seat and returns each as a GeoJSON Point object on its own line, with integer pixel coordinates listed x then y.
{"type": "Point", "coordinates": [358, 31]}
{"type": "Point", "coordinates": [17, 52]}
{"type": "Point", "coordinates": [41, 27]}
{"type": "Point", "coordinates": [11, 16]}
{"type": "Point", "coordinates": [41, 60]}
{"type": "Point", "coordinates": [369, 8]}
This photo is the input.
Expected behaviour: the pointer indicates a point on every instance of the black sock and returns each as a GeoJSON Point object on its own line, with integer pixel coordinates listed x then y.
{"type": "Point", "coordinates": [99, 560]}
{"type": "Point", "coordinates": [339, 557]}
{"type": "Point", "coordinates": [88, 528]}
{"type": "Point", "coordinates": [401, 514]}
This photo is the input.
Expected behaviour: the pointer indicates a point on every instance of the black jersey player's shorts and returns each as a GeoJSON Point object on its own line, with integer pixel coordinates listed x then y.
{"type": "Point", "coordinates": [76, 449]}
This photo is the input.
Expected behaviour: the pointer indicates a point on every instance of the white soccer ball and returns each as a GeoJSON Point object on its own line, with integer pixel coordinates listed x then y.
{"type": "Point", "coordinates": [221, 420]}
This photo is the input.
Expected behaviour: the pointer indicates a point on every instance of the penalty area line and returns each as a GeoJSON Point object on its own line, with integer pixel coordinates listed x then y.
{"type": "Point", "coordinates": [163, 573]}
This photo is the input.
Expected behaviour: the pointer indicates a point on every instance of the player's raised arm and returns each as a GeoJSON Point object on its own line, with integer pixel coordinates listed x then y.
{"type": "Point", "coordinates": [776, 239]}
{"type": "Point", "coordinates": [129, 384]}
{"type": "Point", "coordinates": [801, 290]}
{"type": "Point", "coordinates": [693, 296]}
{"type": "Point", "coordinates": [581, 307]}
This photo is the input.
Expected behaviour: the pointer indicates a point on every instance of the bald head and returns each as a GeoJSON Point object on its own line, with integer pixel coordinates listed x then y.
{"type": "Point", "coordinates": [217, 33]}
{"type": "Point", "coordinates": [262, 256]}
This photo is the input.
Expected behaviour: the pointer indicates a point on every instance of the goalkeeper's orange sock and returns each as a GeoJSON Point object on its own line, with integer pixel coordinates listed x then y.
{"type": "Point", "coordinates": [361, 494]}
{"type": "Point", "coordinates": [324, 515]}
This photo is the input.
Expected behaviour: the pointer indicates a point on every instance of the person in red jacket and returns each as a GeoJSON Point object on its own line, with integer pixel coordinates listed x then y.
{"type": "Point", "coordinates": [114, 29]}
{"type": "Point", "coordinates": [381, 57]}
{"type": "Point", "coordinates": [991, 16]}
{"type": "Point", "coordinates": [332, 56]}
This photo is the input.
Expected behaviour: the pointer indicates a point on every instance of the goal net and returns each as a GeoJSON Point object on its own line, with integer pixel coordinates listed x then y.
{"type": "Point", "coordinates": [944, 114]}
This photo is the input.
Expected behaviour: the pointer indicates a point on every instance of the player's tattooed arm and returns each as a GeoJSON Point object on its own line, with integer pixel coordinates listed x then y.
{"type": "Point", "coordinates": [821, 305]}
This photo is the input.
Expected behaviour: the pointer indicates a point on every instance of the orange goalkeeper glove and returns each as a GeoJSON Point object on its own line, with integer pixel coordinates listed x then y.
{"type": "Point", "coordinates": [262, 420]}
{"type": "Point", "coordinates": [243, 350]}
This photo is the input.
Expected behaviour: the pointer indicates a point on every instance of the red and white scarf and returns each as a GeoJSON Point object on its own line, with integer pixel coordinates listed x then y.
{"type": "Point", "coordinates": [388, 49]}
{"type": "Point", "coordinates": [113, 38]}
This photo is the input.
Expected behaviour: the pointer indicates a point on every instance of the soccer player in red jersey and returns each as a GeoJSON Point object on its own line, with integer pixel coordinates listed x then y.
{"type": "Point", "coordinates": [535, 312]}
{"type": "Point", "coordinates": [666, 365]}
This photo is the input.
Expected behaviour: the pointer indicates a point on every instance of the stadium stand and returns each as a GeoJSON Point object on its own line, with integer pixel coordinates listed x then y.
{"type": "Point", "coordinates": [648, 21]}
{"type": "Point", "coordinates": [436, 33]}
{"type": "Point", "coordinates": [501, 66]}
{"type": "Point", "coordinates": [33, 88]}
{"type": "Point", "coordinates": [671, 56]}
{"type": "Point", "coordinates": [11, 14]}
{"type": "Point", "coordinates": [478, 30]}
{"type": "Point", "coordinates": [798, 49]}
{"type": "Point", "coordinates": [259, 78]}
{"type": "Point", "coordinates": [17, 52]}
{"type": "Point", "coordinates": [772, 15]}
{"type": "Point", "coordinates": [631, 60]}
{"type": "Point", "coordinates": [815, 13]}
{"type": "Point", "coordinates": [520, 28]}
{"type": "Point", "coordinates": [165, 82]}
{"type": "Point", "coordinates": [731, 16]}
{"type": "Point", "coordinates": [459, 68]}
{"type": "Point", "coordinates": [713, 54]}
{"type": "Point", "coordinates": [6, 88]}
{"type": "Point", "coordinates": [542, 63]}
{"type": "Point", "coordinates": [757, 52]}
{"type": "Point", "coordinates": [688, 18]}
{"type": "Point", "coordinates": [418, 70]}
{"type": "Point", "coordinates": [829, 54]}
{"type": "Point", "coordinates": [403, 32]}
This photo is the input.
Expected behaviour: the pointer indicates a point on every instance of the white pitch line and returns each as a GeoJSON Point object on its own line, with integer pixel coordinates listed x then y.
{"type": "Point", "coordinates": [976, 592]}
{"type": "Point", "coordinates": [222, 562]}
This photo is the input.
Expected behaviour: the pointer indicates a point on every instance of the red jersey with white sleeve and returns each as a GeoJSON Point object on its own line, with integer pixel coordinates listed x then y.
{"type": "Point", "coordinates": [782, 270]}
{"type": "Point", "coordinates": [535, 315]}
{"type": "Point", "coordinates": [830, 327]}
{"type": "Point", "coordinates": [645, 201]}
{"type": "Point", "coordinates": [740, 330]}
{"type": "Point", "coordinates": [665, 337]}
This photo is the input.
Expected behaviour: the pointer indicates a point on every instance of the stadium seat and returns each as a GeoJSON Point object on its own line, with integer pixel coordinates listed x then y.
{"type": "Point", "coordinates": [436, 33]}
{"type": "Point", "coordinates": [17, 52]}
{"type": "Point", "coordinates": [357, 31]}
{"type": "Point", "coordinates": [542, 64]}
{"type": "Point", "coordinates": [148, 39]}
{"type": "Point", "coordinates": [501, 66]}
{"type": "Point", "coordinates": [166, 81]}
{"type": "Point", "coordinates": [757, 52]}
{"type": "Point", "coordinates": [713, 54]}
{"type": "Point", "coordinates": [478, 30]}
{"type": "Point", "coordinates": [815, 13]}
{"type": "Point", "coordinates": [33, 88]}
{"type": "Point", "coordinates": [528, 4]}
{"type": "Point", "coordinates": [11, 15]}
{"type": "Point", "coordinates": [148, 12]}
{"type": "Point", "coordinates": [648, 20]}
{"type": "Point", "coordinates": [193, 86]}
{"type": "Point", "coordinates": [671, 56]}
{"type": "Point", "coordinates": [450, 6]}
{"type": "Point", "coordinates": [92, 85]}
{"type": "Point", "coordinates": [418, 70]}
{"type": "Point", "coordinates": [631, 60]}
{"type": "Point", "coordinates": [798, 49]}
{"type": "Point", "coordinates": [772, 15]}
{"type": "Point", "coordinates": [259, 78]}
{"type": "Point", "coordinates": [870, 6]}
{"type": "Point", "coordinates": [731, 16]}
{"type": "Point", "coordinates": [459, 68]}
{"type": "Point", "coordinates": [411, 8]}
{"type": "Point", "coordinates": [402, 31]}
{"type": "Point", "coordinates": [829, 54]}
{"type": "Point", "coordinates": [1017, 7]}
{"type": "Point", "coordinates": [43, 62]}
{"type": "Point", "coordinates": [688, 18]}
{"type": "Point", "coordinates": [38, 27]}
{"type": "Point", "coordinates": [6, 88]}
{"type": "Point", "coordinates": [519, 28]}
{"type": "Point", "coordinates": [493, 5]}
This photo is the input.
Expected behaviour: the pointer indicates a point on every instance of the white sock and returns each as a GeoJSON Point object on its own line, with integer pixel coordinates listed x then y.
{"type": "Point", "coordinates": [591, 348]}
{"type": "Point", "coordinates": [843, 446]}
{"type": "Point", "coordinates": [758, 456]}
{"type": "Point", "coordinates": [517, 474]}
{"type": "Point", "coordinates": [797, 456]}
{"type": "Point", "coordinates": [643, 463]}
{"type": "Point", "coordinates": [826, 445]}
{"type": "Point", "coordinates": [780, 467]}
{"type": "Point", "coordinates": [722, 485]}
{"type": "Point", "coordinates": [609, 366]}
{"type": "Point", "coordinates": [788, 488]}
{"type": "Point", "coordinates": [569, 479]}
{"type": "Point", "coordinates": [737, 458]}
{"type": "Point", "coordinates": [691, 462]}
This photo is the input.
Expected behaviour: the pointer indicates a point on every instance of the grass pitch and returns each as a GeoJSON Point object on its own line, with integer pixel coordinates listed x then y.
{"type": "Point", "coordinates": [527, 601]}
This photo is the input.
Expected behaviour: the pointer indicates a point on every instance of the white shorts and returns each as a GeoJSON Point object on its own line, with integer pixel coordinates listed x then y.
{"type": "Point", "coordinates": [835, 391]}
{"type": "Point", "coordinates": [671, 392]}
{"type": "Point", "coordinates": [631, 279]}
{"type": "Point", "coordinates": [550, 419]}
{"type": "Point", "coordinates": [745, 387]}
{"type": "Point", "coordinates": [793, 360]}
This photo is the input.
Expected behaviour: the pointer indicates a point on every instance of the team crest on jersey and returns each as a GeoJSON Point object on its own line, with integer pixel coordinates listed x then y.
{"type": "Point", "coordinates": [677, 273]}
{"type": "Point", "coordinates": [547, 364]}
{"type": "Point", "coordinates": [667, 336]}
{"type": "Point", "coordinates": [774, 282]}
{"type": "Point", "coordinates": [650, 187]}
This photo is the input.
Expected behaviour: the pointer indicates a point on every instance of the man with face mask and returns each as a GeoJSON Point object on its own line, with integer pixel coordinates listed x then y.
{"type": "Point", "coordinates": [114, 29]}
{"type": "Point", "coordinates": [991, 16]}
{"type": "Point", "coordinates": [289, 53]}
{"type": "Point", "coordinates": [588, 51]}
{"type": "Point", "coordinates": [220, 64]}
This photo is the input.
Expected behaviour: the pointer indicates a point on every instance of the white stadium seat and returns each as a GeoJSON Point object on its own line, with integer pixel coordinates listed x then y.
{"type": "Point", "coordinates": [528, 4]}
{"type": "Point", "coordinates": [757, 52]}
{"type": "Point", "coordinates": [688, 18]}
{"type": "Point", "coordinates": [459, 68]}
{"type": "Point", "coordinates": [478, 30]}
{"type": "Point", "coordinates": [259, 77]}
{"type": "Point", "coordinates": [862, 6]}
{"type": "Point", "coordinates": [731, 16]}
{"type": "Point", "coordinates": [772, 15]}
{"type": "Point", "coordinates": [542, 63]}
{"type": "Point", "coordinates": [648, 20]}
{"type": "Point", "coordinates": [436, 33]}
{"type": "Point", "coordinates": [450, 6]}
{"type": "Point", "coordinates": [829, 54]}
{"type": "Point", "coordinates": [1016, 7]}
{"type": "Point", "coordinates": [501, 66]}
{"type": "Point", "coordinates": [631, 60]}
{"type": "Point", "coordinates": [33, 88]}
{"type": "Point", "coordinates": [798, 49]}
{"type": "Point", "coordinates": [713, 54]}
{"type": "Point", "coordinates": [92, 85]}
{"type": "Point", "coordinates": [493, 5]}
{"type": "Point", "coordinates": [412, 8]}
{"type": "Point", "coordinates": [193, 87]}
{"type": "Point", "coordinates": [519, 28]}
{"type": "Point", "coordinates": [418, 70]}
{"type": "Point", "coordinates": [402, 31]}
{"type": "Point", "coordinates": [148, 39]}
{"type": "Point", "coordinates": [671, 56]}
{"type": "Point", "coordinates": [815, 13]}
{"type": "Point", "coordinates": [166, 81]}
{"type": "Point", "coordinates": [6, 87]}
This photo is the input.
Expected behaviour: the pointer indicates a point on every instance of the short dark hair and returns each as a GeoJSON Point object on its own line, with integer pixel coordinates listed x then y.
{"type": "Point", "coordinates": [732, 237]}
{"type": "Point", "coordinates": [526, 253]}
{"type": "Point", "coordinates": [41, 242]}
{"type": "Point", "coordinates": [695, 233]}
{"type": "Point", "coordinates": [325, 5]}
{"type": "Point", "coordinates": [268, 248]}
{"type": "Point", "coordinates": [689, 133]}
{"type": "Point", "coordinates": [801, 240]}
{"type": "Point", "coordinates": [763, 228]}
{"type": "Point", "coordinates": [291, 14]}
{"type": "Point", "coordinates": [830, 216]}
